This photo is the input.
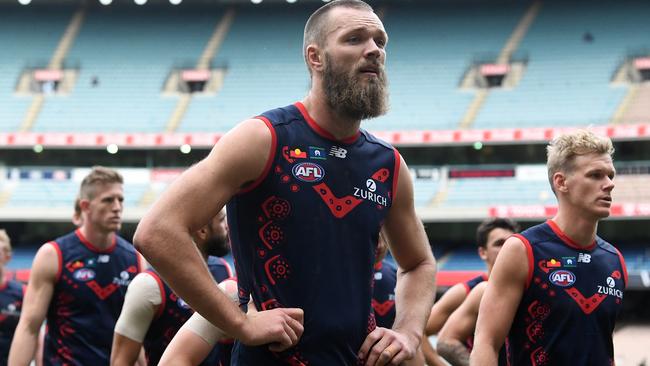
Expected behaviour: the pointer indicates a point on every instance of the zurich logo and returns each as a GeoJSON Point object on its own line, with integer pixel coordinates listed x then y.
{"type": "Point", "coordinates": [84, 274]}
{"type": "Point", "coordinates": [562, 278]}
{"type": "Point", "coordinates": [308, 172]}
{"type": "Point", "coordinates": [371, 185]}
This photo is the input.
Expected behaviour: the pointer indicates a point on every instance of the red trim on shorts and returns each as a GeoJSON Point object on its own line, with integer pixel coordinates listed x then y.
{"type": "Point", "coordinates": [623, 265]}
{"type": "Point", "coordinates": [227, 265]}
{"type": "Point", "coordinates": [529, 254]}
{"type": "Point", "coordinates": [59, 255]}
{"type": "Point", "coordinates": [269, 161]}
{"type": "Point", "coordinates": [398, 164]}
{"type": "Point", "coordinates": [163, 298]}
{"type": "Point", "coordinates": [568, 241]}
{"type": "Point", "coordinates": [90, 246]}
{"type": "Point", "coordinates": [320, 130]}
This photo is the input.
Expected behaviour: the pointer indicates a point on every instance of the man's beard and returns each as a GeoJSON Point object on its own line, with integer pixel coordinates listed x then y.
{"type": "Point", "coordinates": [350, 97]}
{"type": "Point", "coordinates": [217, 246]}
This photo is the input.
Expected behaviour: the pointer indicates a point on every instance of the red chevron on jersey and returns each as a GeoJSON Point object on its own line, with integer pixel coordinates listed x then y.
{"type": "Point", "coordinates": [271, 304]}
{"type": "Point", "coordinates": [587, 305]}
{"type": "Point", "coordinates": [271, 235]}
{"type": "Point", "coordinates": [539, 357]}
{"type": "Point", "coordinates": [276, 208]}
{"type": "Point", "coordinates": [102, 292]}
{"type": "Point", "coordinates": [338, 206]}
{"type": "Point", "coordinates": [381, 175]}
{"type": "Point", "coordinates": [382, 308]}
{"type": "Point", "coordinates": [277, 268]}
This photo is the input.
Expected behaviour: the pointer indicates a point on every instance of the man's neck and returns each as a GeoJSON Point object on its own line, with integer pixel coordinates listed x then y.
{"type": "Point", "coordinates": [578, 228]}
{"type": "Point", "coordinates": [339, 127]}
{"type": "Point", "coordinates": [99, 239]}
{"type": "Point", "coordinates": [3, 280]}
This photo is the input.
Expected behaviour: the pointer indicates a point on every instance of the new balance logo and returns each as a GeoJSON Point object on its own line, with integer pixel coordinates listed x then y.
{"type": "Point", "coordinates": [338, 152]}
{"type": "Point", "coordinates": [584, 258]}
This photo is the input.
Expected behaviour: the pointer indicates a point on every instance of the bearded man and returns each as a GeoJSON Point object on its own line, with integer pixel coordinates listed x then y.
{"type": "Point", "coordinates": [308, 192]}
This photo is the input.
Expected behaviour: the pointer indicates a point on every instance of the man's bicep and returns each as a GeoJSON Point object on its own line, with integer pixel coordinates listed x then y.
{"type": "Point", "coordinates": [40, 288]}
{"type": "Point", "coordinates": [142, 300]}
{"type": "Point", "coordinates": [462, 322]}
{"type": "Point", "coordinates": [443, 308]}
{"type": "Point", "coordinates": [236, 161]}
{"type": "Point", "coordinates": [503, 293]}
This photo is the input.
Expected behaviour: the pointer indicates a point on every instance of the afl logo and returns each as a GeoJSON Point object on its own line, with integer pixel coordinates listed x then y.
{"type": "Point", "coordinates": [562, 278]}
{"type": "Point", "coordinates": [84, 274]}
{"type": "Point", "coordinates": [308, 172]}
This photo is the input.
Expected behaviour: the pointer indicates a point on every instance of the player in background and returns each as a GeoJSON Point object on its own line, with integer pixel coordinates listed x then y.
{"type": "Point", "coordinates": [78, 282]}
{"type": "Point", "coordinates": [556, 289]}
{"type": "Point", "coordinates": [11, 299]}
{"type": "Point", "coordinates": [152, 313]}
{"type": "Point", "coordinates": [490, 236]}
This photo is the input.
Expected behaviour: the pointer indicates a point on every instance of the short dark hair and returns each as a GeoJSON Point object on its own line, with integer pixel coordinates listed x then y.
{"type": "Point", "coordinates": [490, 224]}
{"type": "Point", "coordinates": [315, 29]}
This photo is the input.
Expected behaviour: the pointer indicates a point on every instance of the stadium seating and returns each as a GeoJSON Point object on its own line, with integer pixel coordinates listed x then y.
{"type": "Point", "coordinates": [426, 60]}
{"type": "Point", "coordinates": [268, 72]}
{"type": "Point", "coordinates": [567, 79]}
{"type": "Point", "coordinates": [130, 50]}
{"type": "Point", "coordinates": [28, 37]}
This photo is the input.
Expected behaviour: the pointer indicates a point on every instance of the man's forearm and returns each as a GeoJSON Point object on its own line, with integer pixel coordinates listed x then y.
{"type": "Point", "coordinates": [431, 357]}
{"type": "Point", "coordinates": [414, 297]}
{"type": "Point", "coordinates": [23, 346]}
{"type": "Point", "coordinates": [454, 352]}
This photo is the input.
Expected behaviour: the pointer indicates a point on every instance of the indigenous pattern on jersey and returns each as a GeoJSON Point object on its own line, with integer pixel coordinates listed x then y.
{"type": "Point", "coordinates": [173, 312]}
{"type": "Point", "coordinates": [573, 296]}
{"type": "Point", "coordinates": [11, 302]}
{"type": "Point", "coordinates": [471, 283]}
{"type": "Point", "coordinates": [304, 235]}
{"type": "Point", "coordinates": [87, 299]}
{"type": "Point", "coordinates": [383, 293]}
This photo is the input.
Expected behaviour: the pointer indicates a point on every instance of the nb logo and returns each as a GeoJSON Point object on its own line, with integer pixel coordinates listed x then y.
{"type": "Point", "coordinates": [584, 258]}
{"type": "Point", "coordinates": [338, 152]}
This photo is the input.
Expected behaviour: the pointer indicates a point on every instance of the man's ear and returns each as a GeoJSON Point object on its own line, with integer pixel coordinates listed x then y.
{"type": "Point", "coordinates": [202, 233]}
{"type": "Point", "coordinates": [84, 203]}
{"type": "Point", "coordinates": [314, 56]}
{"type": "Point", "coordinates": [559, 182]}
{"type": "Point", "coordinates": [482, 253]}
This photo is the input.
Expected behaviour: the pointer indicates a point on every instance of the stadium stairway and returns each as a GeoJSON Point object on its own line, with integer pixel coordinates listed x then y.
{"type": "Point", "coordinates": [634, 106]}
{"type": "Point", "coordinates": [56, 63]}
{"type": "Point", "coordinates": [209, 53]}
{"type": "Point", "coordinates": [508, 49]}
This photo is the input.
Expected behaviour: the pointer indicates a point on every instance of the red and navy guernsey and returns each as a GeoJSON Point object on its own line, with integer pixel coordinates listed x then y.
{"type": "Point", "coordinates": [173, 312]}
{"type": "Point", "coordinates": [472, 282]}
{"type": "Point", "coordinates": [305, 233]}
{"type": "Point", "coordinates": [11, 302]}
{"type": "Point", "coordinates": [383, 293]}
{"type": "Point", "coordinates": [87, 299]}
{"type": "Point", "coordinates": [572, 299]}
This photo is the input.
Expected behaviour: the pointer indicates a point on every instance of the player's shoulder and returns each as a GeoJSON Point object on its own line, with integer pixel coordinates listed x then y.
{"type": "Point", "coordinates": [124, 244]}
{"type": "Point", "coordinates": [372, 139]}
{"type": "Point", "coordinates": [606, 246]}
{"type": "Point", "coordinates": [281, 115]}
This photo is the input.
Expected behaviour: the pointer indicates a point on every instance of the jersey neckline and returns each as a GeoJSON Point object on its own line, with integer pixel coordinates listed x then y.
{"type": "Point", "coordinates": [93, 248]}
{"type": "Point", "coordinates": [320, 130]}
{"type": "Point", "coordinates": [566, 239]}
